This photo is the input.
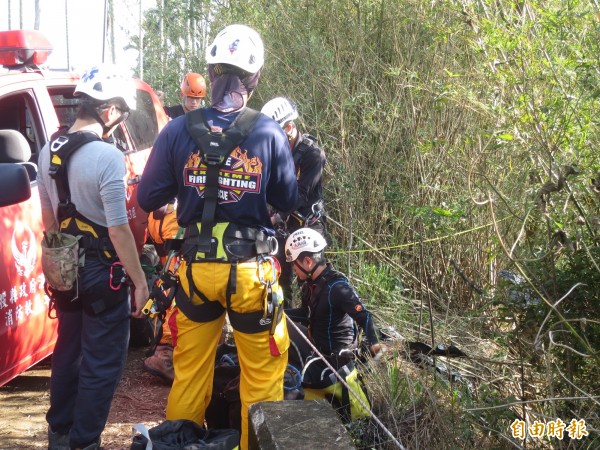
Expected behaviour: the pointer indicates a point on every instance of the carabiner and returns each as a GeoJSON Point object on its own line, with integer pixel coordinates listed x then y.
{"type": "Point", "coordinates": [167, 265]}
{"type": "Point", "coordinates": [273, 244]}
{"type": "Point", "coordinates": [317, 209]}
{"type": "Point", "coordinates": [315, 215]}
{"type": "Point", "coordinates": [116, 286]}
{"type": "Point", "coordinates": [261, 272]}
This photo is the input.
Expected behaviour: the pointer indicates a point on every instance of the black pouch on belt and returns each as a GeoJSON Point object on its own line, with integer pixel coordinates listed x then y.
{"type": "Point", "coordinates": [100, 298]}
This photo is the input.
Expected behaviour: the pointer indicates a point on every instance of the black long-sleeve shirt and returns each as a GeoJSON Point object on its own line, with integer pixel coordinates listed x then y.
{"type": "Point", "coordinates": [329, 306]}
{"type": "Point", "coordinates": [309, 162]}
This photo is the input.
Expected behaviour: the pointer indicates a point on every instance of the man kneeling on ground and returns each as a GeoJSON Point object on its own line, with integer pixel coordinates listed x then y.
{"type": "Point", "coordinates": [331, 308]}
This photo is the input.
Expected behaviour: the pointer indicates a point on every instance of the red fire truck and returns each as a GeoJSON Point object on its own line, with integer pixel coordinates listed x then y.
{"type": "Point", "coordinates": [34, 103]}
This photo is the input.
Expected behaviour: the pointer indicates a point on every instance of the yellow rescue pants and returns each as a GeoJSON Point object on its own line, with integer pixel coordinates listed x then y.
{"type": "Point", "coordinates": [261, 377]}
{"type": "Point", "coordinates": [356, 409]}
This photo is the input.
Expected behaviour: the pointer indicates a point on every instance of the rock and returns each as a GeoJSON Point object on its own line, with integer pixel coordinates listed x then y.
{"type": "Point", "coordinates": [297, 424]}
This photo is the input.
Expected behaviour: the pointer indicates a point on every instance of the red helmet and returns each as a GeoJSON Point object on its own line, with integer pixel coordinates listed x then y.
{"type": "Point", "coordinates": [193, 85]}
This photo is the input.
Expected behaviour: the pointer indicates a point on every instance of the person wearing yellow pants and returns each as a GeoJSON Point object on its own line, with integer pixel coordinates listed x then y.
{"type": "Point", "coordinates": [331, 308]}
{"type": "Point", "coordinates": [225, 164]}
{"type": "Point", "coordinates": [340, 392]}
{"type": "Point", "coordinates": [263, 358]}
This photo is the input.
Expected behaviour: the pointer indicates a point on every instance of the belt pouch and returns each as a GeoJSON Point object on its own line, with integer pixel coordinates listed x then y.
{"type": "Point", "coordinates": [100, 298]}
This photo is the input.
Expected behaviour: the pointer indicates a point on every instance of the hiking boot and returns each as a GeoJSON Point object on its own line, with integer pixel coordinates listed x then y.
{"type": "Point", "coordinates": [57, 441]}
{"type": "Point", "coordinates": [161, 363]}
{"type": "Point", "coordinates": [93, 446]}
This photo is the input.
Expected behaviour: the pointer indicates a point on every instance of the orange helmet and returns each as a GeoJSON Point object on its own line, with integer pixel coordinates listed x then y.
{"type": "Point", "coordinates": [193, 85]}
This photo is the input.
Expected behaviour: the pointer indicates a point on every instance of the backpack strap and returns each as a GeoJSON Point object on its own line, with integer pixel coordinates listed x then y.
{"type": "Point", "coordinates": [215, 147]}
{"type": "Point", "coordinates": [62, 148]}
{"type": "Point", "coordinates": [308, 141]}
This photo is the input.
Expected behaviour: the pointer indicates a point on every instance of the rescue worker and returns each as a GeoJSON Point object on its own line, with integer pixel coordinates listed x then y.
{"type": "Point", "coordinates": [309, 162]}
{"type": "Point", "coordinates": [225, 164]}
{"type": "Point", "coordinates": [193, 91]}
{"type": "Point", "coordinates": [93, 328]}
{"type": "Point", "coordinates": [330, 308]}
{"type": "Point", "coordinates": [162, 226]}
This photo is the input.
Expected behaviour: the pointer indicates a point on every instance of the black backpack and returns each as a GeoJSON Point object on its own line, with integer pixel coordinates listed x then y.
{"type": "Point", "coordinates": [225, 407]}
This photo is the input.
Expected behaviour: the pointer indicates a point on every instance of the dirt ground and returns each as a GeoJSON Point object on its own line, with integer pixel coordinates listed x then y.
{"type": "Point", "coordinates": [140, 397]}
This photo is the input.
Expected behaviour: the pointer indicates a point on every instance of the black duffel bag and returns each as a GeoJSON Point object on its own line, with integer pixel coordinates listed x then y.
{"type": "Point", "coordinates": [183, 435]}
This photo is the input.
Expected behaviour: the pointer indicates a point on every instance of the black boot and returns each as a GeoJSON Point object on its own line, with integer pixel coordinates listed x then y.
{"type": "Point", "coordinates": [57, 441]}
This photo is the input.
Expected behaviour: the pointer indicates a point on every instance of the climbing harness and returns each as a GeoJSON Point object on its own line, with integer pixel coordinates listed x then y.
{"type": "Point", "coordinates": [223, 242]}
{"type": "Point", "coordinates": [164, 288]}
{"type": "Point", "coordinates": [215, 147]}
{"type": "Point", "coordinates": [311, 219]}
{"type": "Point", "coordinates": [78, 236]}
{"type": "Point", "coordinates": [94, 238]}
{"type": "Point", "coordinates": [165, 284]}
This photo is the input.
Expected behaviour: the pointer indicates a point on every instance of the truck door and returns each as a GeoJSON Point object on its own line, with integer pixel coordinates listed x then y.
{"type": "Point", "coordinates": [26, 333]}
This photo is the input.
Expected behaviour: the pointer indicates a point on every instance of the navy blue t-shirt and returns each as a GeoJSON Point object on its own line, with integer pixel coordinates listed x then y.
{"type": "Point", "coordinates": [259, 172]}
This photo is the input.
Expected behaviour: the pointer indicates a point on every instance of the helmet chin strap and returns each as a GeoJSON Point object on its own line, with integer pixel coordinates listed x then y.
{"type": "Point", "coordinates": [309, 273]}
{"type": "Point", "coordinates": [106, 127]}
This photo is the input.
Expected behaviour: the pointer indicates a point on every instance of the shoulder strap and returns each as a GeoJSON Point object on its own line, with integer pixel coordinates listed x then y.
{"type": "Point", "coordinates": [309, 139]}
{"type": "Point", "coordinates": [61, 150]}
{"type": "Point", "coordinates": [299, 152]}
{"type": "Point", "coordinates": [215, 147]}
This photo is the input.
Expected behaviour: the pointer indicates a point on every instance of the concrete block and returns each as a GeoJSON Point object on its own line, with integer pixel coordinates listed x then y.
{"type": "Point", "coordinates": [296, 424]}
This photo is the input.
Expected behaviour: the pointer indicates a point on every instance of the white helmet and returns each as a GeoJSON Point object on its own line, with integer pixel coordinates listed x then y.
{"type": "Point", "coordinates": [106, 82]}
{"type": "Point", "coordinates": [239, 46]}
{"type": "Point", "coordinates": [282, 110]}
{"type": "Point", "coordinates": [303, 240]}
